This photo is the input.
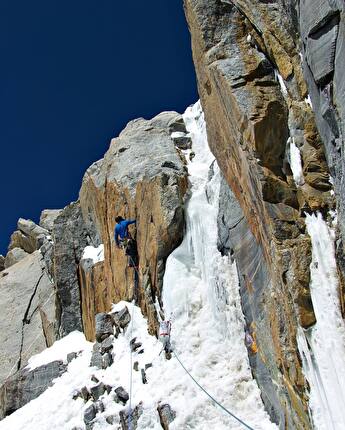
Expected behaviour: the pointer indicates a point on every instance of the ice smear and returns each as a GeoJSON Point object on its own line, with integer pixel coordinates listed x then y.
{"type": "Point", "coordinates": [201, 295]}
{"type": "Point", "coordinates": [281, 83]}
{"type": "Point", "coordinates": [296, 163]}
{"type": "Point", "coordinates": [95, 254]}
{"type": "Point", "coordinates": [322, 347]}
{"type": "Point", "coordinates": [308, 101]}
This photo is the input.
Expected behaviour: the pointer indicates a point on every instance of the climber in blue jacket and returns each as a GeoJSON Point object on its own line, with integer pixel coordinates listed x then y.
{"type": "Point", "coordinates": [121, 230]}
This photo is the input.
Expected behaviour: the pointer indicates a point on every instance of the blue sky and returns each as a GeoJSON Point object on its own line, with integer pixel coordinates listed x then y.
{"type": "Point", "coordinates": [72, 74]}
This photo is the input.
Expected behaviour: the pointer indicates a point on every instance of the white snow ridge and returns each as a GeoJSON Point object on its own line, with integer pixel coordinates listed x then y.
{"type": "Point", "coordinates": [201, 296]}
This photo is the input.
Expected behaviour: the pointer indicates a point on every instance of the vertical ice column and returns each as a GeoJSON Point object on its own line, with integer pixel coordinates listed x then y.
{"type": "Point", "coordinates": [323, 346]}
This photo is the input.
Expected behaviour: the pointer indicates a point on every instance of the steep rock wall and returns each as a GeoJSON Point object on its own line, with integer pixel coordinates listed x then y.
{"type": "Point", "coordinates": [27, 318]}
{"type": "Point", "coordinates": [322, 29]}
{"type": "Point", "coordinates": [142, 177]}
{"type": "Point", "coordinates": [252, 89]}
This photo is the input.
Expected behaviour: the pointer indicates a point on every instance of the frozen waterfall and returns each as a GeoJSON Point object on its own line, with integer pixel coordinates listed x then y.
{"type": "Point", "coordinates": [201, 295]}
{"type": "Point", "coordinates": [322, 347]}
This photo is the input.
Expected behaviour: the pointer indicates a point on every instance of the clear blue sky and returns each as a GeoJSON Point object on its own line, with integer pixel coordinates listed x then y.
{"type": "Point", "coordinates": [72, 74]}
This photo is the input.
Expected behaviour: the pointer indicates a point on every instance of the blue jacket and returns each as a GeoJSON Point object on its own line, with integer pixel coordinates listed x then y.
{"type": "Point", "coordinates": [121, 230]}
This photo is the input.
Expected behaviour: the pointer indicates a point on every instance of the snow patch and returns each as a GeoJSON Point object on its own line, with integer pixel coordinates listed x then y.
{"type": "Point", "coordinates": [308, 101]}
{"type": "Point", "coordinates": [73, 342]}
{"type": "Point", "coordinates": [92, 253]}
{"type": "Point", "coordinates": [176, 134]}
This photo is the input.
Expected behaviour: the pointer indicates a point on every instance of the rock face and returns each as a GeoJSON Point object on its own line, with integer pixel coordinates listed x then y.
{"type": "Point", "coordinates": [141, 177]}
{"type": "Point", "coordinates": [14, 255]}
{"type": "Point", "coordinates": [47, 218]}
{"type": "Point", "coordinates": [93, 294]}
{"type": "Point", "coordinates": [26, 385]}
{"type": "Point", "coordinates": [27, 319]}
{"type": "Point", "coordinates": [252, 90]}
{"type": "Point", "coordinates": [70, 238]}
{"type": "Point", "coordinates": [322, 30]}
{"type": "Point", "coordinates": [2, 262]}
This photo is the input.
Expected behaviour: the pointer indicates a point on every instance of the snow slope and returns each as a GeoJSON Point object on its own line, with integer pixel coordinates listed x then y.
{"type": "Point", "coordinates": [201, 296]}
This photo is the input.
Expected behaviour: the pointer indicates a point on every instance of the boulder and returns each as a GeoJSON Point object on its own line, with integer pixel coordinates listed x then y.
{"type": "Point", "coordinates": [89, 415]}
{"type": "Point", "coordinates": [14, 255]}
{"type": "Point", "coordinates": [28, 313]}
{"type": "Point", "coordinates": [141, 177]}
{"type": "Point", "coordinates": [71, 356]}
{"type": "Point", "coordinates": [29, 236]}
{"type": "Point", "coordinates": [47, 218]}
{"type": "Point", "coordinates": [96, 360]}
{"type": "Point", "coordinates": [20, 240]}
{"type": "Point", "coordinates": [97, 391]}
{"type": "Point", "coordinates": [143, 376]}
{"type": "Point", "coordinates": [166, 415]}
{"type": "Point", "coordinates": [121, 394]}
{"type": "Point", "coordinates": [122, 318]}
{"type": "Point", "coordinates": [107, 344]}
{"type": "Point", "coordinates": [176, 123]}
{"type": "Point", "coordinates": [182, 141]}
{"type": "Point", "coordinates": [104, 326]}
{"type": "Point", "coordinates": [135, 415]}
{"type": "Point", "coordinates": [108, 360]}
{"type": "Point", "coordinates": [26, 385]}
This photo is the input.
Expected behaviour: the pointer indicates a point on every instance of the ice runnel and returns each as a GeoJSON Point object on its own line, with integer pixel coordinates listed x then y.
{"type": "Point", "coordinates": [322, 347]}
{"type": "Point", "coordinates": [201, 295]}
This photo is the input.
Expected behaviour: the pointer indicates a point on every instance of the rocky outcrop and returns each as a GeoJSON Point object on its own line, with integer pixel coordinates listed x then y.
{"type": "Point", "coordinates": [2, 262]}
{"type": "Point", "coordinates": [27, 319]}
{"type": "Point", "coordinates": [322, 30]}
{"type": "Point", "coordinates": [26, 385]}
{"type": "Point", "coordinates": [141, 177]}
{"type": "Point", "coordinates": [28, 237]}
{"type": "Point", "coordinates": [47, 218]}
{"type": "Point", "coordinates": [70, 238]}
{"type": "Point", "coordinates": [252, 90]}
{"type": "Point", "coordinates": [94, 297]}
{"type": "Point", "coordinates": [14, 255]}
{"type": "Point", "coordinates": [166, 415]}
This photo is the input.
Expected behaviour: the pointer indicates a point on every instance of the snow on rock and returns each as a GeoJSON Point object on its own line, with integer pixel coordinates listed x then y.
{"type": "Point", "coordinates": [73, 342]}
{"type": "Point", "coordinates": [322, 347]}
{"type": "Point", "coordinates": [296, 163]}
{"type": "Point", "coordinates": [308, 101]}
{"type": "Point", "coordinates": [95, 254]}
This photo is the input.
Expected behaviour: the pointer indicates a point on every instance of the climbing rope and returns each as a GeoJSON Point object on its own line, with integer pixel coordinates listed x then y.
{"type": "Point", "coordinates": [212, 398]}
{"type": "Point", "coordinates": [131, 370]}
{"type": "Point", "coordinates": [131, 355]}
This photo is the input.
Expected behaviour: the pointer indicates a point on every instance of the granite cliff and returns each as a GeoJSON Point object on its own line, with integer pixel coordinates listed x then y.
{"type": "Point", "coordinates": [271, 88]}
